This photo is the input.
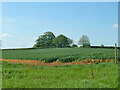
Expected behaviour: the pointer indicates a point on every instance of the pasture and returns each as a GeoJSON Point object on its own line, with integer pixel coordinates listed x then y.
{"type": "Point", "coordinates": [76, 76]}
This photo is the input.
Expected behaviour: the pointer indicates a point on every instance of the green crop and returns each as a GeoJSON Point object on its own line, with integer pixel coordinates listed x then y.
{"type": "Point", "coordinates": [60, 54]}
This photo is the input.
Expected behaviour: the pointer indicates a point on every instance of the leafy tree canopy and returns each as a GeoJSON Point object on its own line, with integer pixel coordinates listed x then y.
{"type": "Point", "coordinates": [84, 40]}
{"type": "Point", "coordinates": [45, 40]}
{"type": "Point", "coordinates": [62, 41]}
{"type": "Point", "coordinates": [49, 40]}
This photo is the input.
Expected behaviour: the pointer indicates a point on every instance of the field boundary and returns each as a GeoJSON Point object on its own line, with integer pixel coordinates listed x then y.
{"type": "Point", "coordinates": [56, 63]}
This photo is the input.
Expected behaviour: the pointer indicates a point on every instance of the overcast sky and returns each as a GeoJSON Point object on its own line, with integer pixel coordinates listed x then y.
{"type": "Point", "coordinates": [23, 22]}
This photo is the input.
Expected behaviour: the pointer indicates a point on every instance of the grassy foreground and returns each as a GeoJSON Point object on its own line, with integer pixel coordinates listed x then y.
{"type": "Point", "coordinates": [76, 76]}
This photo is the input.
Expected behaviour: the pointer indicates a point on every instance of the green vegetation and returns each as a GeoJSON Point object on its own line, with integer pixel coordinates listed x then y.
{"type": "Point", "coordinates": [76, 76]}
{"type": "Point", "coordinates": [60, 54]}
{"type": "Point", "coordinates": [84, 41]}
{"type": "Point", "coordinates": [1, 75]}
{"type": "Point", "coordinates": [49, 40]}
{"type": "Point", "coordinates": [74, 45]}
{"type": "Point", "coordinates": [102, 45]}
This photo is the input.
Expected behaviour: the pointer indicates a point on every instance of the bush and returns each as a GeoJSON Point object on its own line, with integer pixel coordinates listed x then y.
{"type": "Point", "coordinates": [67, 46]}
{"type": "Point", "coordinates": [74, 45]}
{"type": "Point", "coordinates": [86, 45]}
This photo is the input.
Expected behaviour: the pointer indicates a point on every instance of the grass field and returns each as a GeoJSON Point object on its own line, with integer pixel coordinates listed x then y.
{"type": "Point", "coordinates": [76, 76]}
{"type": "Point", "coordinates": [60, 54]}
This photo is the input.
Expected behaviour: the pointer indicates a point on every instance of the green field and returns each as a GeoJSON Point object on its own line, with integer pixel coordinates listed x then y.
{"type": "Point", "coordinates": [60, 54]}
{"type": "Point", "coordinates": [76, 76]}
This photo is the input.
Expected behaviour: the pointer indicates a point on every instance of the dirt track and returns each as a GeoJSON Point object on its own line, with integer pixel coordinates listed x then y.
{"type": "Point", "coordinates": [34, 62]}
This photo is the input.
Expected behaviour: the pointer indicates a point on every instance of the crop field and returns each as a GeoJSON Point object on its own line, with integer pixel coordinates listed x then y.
{"type": "Point", "coordinates": [60, 54]}
{"type": "Point", "coordinates": [75, 76]}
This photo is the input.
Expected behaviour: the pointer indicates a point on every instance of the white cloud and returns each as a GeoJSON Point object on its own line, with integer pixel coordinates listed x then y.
{"type": "Point", "coordinates": [115, 26]}
{"type": "Point", "coordinates": [9, 20]}
{"type": "Point", "coordinates": [4, 35]}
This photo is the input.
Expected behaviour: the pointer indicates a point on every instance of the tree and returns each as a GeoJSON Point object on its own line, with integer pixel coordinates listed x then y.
{"type": "Point", "coordinates": [62, 41]}
{"type": "Point", "coordinates": [70, 41]}
{"type": "Point", "coordinates": [45, 40]}
{"type": "Point", "coordinates": [102, 46]}
{"type": "Point", "coordinates": [84, 40]}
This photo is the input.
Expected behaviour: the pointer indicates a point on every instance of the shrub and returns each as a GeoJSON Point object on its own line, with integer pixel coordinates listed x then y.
{"type": "Point", "coordinates": [86, 45]}
{"type": "Point", "coordinates": [74, 45]}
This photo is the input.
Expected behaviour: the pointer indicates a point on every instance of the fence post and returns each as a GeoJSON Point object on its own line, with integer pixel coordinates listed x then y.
{"type": "Point", "coordinates": [91, 68]}
{"type": "Point", "coordinates": [115, 54]}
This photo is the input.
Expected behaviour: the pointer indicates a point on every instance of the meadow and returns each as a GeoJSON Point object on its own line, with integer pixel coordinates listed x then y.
{"type": "Point", "coordinates": [60, 54]}
{"type": "Point", "coordinates": [75, 76]}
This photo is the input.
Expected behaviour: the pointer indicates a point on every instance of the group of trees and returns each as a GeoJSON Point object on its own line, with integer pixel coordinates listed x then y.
{"type": "Point", "coordinates": [49, 40]}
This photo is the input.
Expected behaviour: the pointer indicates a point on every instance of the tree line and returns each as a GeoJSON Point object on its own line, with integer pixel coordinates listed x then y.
{"type": "Point", "coordinates": [48, 40]}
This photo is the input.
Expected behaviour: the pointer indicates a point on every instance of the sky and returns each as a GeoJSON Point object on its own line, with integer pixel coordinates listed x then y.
{"type": "Point", "coordinates": [23, 22]}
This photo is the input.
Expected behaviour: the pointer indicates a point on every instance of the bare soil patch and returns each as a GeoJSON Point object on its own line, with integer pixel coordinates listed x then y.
{"type": "Point", "coordinates": [56, 63]}
{"type": "Point", "coordinates": [41, 63]}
